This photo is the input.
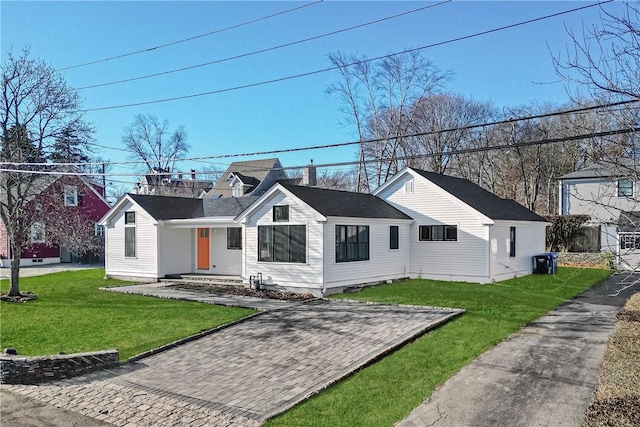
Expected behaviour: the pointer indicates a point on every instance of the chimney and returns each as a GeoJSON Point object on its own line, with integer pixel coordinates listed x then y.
{"type": "Point", "coordinates": [309, 175]}
{"type": "Point", "coordinates": [193, 174]}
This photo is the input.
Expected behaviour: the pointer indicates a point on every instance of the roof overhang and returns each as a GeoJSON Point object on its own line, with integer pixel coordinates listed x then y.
{"type": "Point", "coordinates": [122, 201]}
{"type": "Point", "coordinates": [204, 222]}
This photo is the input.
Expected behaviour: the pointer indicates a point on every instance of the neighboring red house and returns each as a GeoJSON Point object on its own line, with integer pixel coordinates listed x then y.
{"type": "Point", "coordinates": [79, 194]}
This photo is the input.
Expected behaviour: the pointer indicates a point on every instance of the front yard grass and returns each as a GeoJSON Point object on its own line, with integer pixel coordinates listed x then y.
{"type": "Point", "coordinates": [72, 315]}
{"type": "Point", "coordinates": [388, 390]}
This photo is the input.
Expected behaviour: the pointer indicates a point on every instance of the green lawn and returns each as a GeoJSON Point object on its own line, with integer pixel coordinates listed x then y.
{"type": "Point", "coordinates": [387, 391]}
{"type": "Point", "coordinates": [72, 315]}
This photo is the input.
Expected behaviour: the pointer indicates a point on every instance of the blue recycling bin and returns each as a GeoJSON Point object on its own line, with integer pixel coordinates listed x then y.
{"type": "Point", "coordinates": [546, 263]}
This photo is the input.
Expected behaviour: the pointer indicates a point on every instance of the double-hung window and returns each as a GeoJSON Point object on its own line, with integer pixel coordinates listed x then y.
{"type": "Point", "coordinates": [352, 243]}
{"type": "Point", "coordinates": [625, 187]}
{"type": "Point", "coordinates": [130, 234]}
{"type": "Point", "coordinates": [37, 233]}
{"type": "Point", "coordinates": [70, 195]}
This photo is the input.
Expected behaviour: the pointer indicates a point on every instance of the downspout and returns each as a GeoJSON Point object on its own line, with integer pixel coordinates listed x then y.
{"type": "Point", "coordinates": [324, 289]}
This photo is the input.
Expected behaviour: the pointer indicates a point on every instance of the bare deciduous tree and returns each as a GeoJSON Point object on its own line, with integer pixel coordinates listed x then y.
{"type": "Point", "coordinates": [379, 98]}
{"type": "Point", "coordinates": [151, 141]}
{"type": "Point", "coordinates": [36, 108]}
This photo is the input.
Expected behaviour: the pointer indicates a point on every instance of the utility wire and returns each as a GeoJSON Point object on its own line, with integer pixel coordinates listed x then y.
{"type": "Point", "coordinates": [361, 162]}
{"type": "Point", "coordinates": [269, 49]}
{"type": "Point", "coordinates": [149, 49]}
{"type": "Point", "coordinates": [324, 70]}
{"type": "Point", "coordinates": [366, 141]}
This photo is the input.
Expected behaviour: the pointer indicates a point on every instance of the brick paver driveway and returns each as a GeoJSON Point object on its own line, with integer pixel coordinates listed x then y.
{"type": "Point", "coordinates": [248, 372]}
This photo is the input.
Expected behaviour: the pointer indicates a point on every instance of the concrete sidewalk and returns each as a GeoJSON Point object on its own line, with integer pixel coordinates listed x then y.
{"type": "Point", "coordinates": [544, 375]}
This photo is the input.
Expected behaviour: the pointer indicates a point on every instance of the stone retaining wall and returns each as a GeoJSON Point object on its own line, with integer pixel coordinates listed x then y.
{"type": "Point", "coordinates": [585, 259]}
{"type": "Point", "coordinates": [16, 369]}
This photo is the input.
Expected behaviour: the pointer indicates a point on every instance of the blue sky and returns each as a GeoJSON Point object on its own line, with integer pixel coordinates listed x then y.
{"type": "Point", "coordinates": [509, 68]}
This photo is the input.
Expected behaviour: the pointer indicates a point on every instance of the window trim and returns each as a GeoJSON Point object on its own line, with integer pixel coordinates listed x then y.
{"type": "Point", "coordinates": [622, 190]}
{"type": "Point", "coordinates": [37, 227]}
{"type": "Point", "coordinates": [346, 247]}
{"type": "Point", "coordinates": [292, 245]}
{"type": "Point", "coordinates": [130, 224]}
{"type": "Point", "coordinates": [394, 238]}
{"type": "Point", "coordinates": [437, 230]}
{"type": "Point", "coordinates": [278, 212]}
{"type": "Point", "coordinates": [230, 238]}
{"type": "Point", "coordinates": [70, 190]}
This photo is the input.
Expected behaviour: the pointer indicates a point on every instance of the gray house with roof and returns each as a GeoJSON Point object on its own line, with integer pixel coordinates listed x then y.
{"type": "Point", "coordinates": [320, 241]}
{"type": "Point", "coordinates": [248, 178]}
{"type": "Point", "coordinates": [607, 192]}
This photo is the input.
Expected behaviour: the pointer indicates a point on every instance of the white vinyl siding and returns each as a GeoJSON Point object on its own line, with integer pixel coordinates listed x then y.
{"type": "Point", "coordinates": [465, 259]}
{"type": "Point", "coordinates": [176, 250]}
{"type": "Point", "coordinates": [226, 261]}
{"type": "Point", "coordinates": [383, 263]}
{"type": "Point", "coordinates": [530, 241]}
{"type": "Point", "coordinates": [597, 197]}
{"type": "Point", "coordinates": [304, 276]}
{"type": "Point", "coordinates": [144, 264]}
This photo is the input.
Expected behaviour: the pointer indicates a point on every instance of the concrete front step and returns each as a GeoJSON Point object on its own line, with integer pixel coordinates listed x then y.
{"type": "Point", "coordinates": [203, 279]}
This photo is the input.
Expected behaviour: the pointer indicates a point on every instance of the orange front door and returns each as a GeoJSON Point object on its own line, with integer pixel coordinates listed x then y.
{"type": "Point", "coordinates": [203, 248]}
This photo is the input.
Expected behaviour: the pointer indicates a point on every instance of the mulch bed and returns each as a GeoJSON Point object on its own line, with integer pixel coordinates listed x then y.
{"type": "Point", "coordinates": [628, 315]}
{"type": "Point", "coordinates": [23, 297]}
{"type": "Point", "coordinates": [619, 411]}
{"type": "Point", "coordinates": [241, 291]}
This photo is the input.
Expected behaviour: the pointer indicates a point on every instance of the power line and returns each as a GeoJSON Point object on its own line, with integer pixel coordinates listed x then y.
{"type": "Point", "coordinates": [269, 49]}
{"type": "Point", "coordinates": [344, 144]}
{"type": "Point", "coordinates": [359, 162]}
{"type": "Point", "coordinates": [324, 70]}
{"type": "Point", "coordinates": [149, 49]}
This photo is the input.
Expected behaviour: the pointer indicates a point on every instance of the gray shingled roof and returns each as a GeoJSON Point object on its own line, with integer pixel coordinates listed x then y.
{"type": "Point", "coordinates": [166, 207]}
{"type": "Point", "coordinates": [606, 169]}
{"type": "Point", "coordinates": [480, 199]}
{"type": "Point", "coordinates": [255, 169]}
{"type": "Point", "coordinates": [227, 206]}
{"type": "Point", "coordinates": [163, 208]}
{"type": "Point", "coordinates": [345, 203]}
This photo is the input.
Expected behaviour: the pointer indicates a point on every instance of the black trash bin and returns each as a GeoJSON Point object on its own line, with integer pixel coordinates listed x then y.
{"type": "Point", "coordinates": [546, 263]}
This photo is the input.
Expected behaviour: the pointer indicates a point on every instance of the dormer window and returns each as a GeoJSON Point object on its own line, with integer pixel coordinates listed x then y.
{"type": "Point", "coordinates": [238, 189]}
{"type": "Point", "coordinates": [70, 195]}
{"type": "Point", "coordinates": [625, 187]}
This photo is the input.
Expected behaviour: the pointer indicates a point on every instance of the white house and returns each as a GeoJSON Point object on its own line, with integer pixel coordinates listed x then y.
{"type": "Point", "coordinates": [148, 237]}
{"type": "Point", "coordinates": [309, 239]}
{"type": "Point", "coordinates": [607, 192]}
{"type": "Point", "coordinates": [320, 241]}
{"type": "Point", "coordinates": [462, 231]}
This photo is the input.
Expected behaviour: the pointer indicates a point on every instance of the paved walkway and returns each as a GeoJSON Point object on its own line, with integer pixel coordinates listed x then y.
{"type": "Point", "coordinates": [40, 270]}
{"type": "Point", "coordinates": [246, 373]}
{"type": "Point", "coordinates": [544, 375]}
{"type": "Point", "coordinates": [164, 290]}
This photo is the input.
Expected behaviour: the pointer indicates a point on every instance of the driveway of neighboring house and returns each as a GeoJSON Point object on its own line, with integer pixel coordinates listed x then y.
{"type": "Point", "coordinates": [40, 270]}
{"type": "Point", "coordinates": [543, 375]}
{"type": "Point", "coordinates": [245, 373]}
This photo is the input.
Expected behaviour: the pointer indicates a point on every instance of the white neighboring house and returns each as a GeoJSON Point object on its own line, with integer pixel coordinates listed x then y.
{"type": "Point", "coordinates": [462, 231]}
{"type": "Point", "coordinates": [319, 241]}
{"type": "Point", "coordinates": [608, 193]}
